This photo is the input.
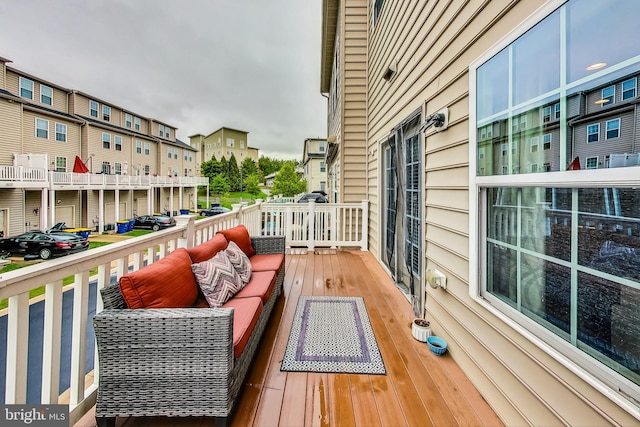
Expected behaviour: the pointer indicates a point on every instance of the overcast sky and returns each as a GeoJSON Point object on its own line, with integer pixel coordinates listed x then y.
{"type": "Point", "coordinates": [252, 65]}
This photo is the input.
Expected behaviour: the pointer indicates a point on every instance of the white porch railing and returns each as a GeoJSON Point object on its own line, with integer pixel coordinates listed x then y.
{"type": "Point", "coordinates": [20, 176]}
{"type": "Point", "coordinates": [330, 225]}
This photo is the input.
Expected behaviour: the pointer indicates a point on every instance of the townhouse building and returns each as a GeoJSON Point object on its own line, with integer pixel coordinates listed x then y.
{"type": "Point", "coordinates": [224, 142]}
{"type": "Point", "coordinates": [314, 164]}
{"type": "Point", "coordinates": [497, 143]}
{"type": "Point", "coordinates": [68, 156]}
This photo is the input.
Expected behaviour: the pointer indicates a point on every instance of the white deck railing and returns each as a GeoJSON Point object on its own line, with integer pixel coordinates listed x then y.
{"type": "Point", "coordinates": [20, 176]}
{"type": "Point", "coordinates": [330, 225]}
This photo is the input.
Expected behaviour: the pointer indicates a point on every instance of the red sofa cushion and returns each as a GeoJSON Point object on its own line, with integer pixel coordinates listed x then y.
{"type": "Point", "coordinates": [167, 283]}
{"type": "Point", "coordinates": [208, 249]}
{"type": "Point", "coordinates": [246, 312]}
{"type": "Point", "coordinates": [267, 262]}
{"type": "Point", "coordinates": [261, 285]}
{"type": "Point", "coordinates": [239, 235]}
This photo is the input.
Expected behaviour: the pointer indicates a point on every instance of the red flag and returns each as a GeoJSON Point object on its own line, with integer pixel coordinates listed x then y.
{"type": "Point", "coordinates": [575, 164]}
{"type": "Point", "coordinates": [79, 166]}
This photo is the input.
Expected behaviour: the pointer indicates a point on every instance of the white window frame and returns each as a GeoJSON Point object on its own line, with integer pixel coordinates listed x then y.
{"type": "Point", "coordinates": [61, 132]}
{"type": "Point", "coordinates": [534, 144]}
{"type": "Point", "coordinates": [588, 160]}
{"type": "Point", "coordinates": [547, 139]}
{"type": "Point", "coordinates": [147, 170]}
{"type": "Point", "coordinates": [136, 123]}
{"type": "Point", "coordinates": [61, 164]}
{"type": "Point", "coordinates": [26, 87]}
{"type": "Point", "coordinates": [588, 369]}
{"type": "Point", "coordinates": [106, 113]}
{"type": "Point", "coordinates": [616, 129]}
{"type": "Point", "coordinates": [629, 90]}
{"type": "Point", "coordinates": [42, 125]}
{"type": "Point", "coordinates": [128, 119]}
{"type": "Point", "coordinates": [176, 153]}
{"type": "Point", "coordinates": [609, 94]}
{"type": "Point", "coordinates": [161, 129]}
{"type": "Point", "coordinates": [44, 97]}
{"type": "Point", "coordinates": [117, 168]}
{"type": "Point", "coordinates": [117, 142]}
{"type": "Point", "coordinates": [546, 114]}
{"type": "Point", "coordinates": [93, 108]}
{"type": "Point", "coordinates": [597, 134]}
{"type": "Point", "coordinates": [106, 141]}
{"type": "Point", "coordinates": [147, 149]}
{"type": "Point", "coordinates": [138, 147]}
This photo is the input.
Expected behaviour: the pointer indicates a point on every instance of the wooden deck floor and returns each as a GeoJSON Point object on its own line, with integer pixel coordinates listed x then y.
{"type": "Point", "coordinates": [420, 389]}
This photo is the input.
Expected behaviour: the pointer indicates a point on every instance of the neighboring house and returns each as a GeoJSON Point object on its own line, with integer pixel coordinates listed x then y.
{"type": "Point", "coordinates": [542, 261]}
{"type": "Point", "coordinates": [313, 164]}
{"type": "Point", "coordinates": [133, 161]}
{"type": "Point", "coordinates": [223, 143]}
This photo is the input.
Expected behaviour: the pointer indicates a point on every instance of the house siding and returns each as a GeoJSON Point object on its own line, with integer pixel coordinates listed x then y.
{"type": "Point", "coordinates": [433, 44]}
{"type": "Point", "coordinates": [10, 131]}
{"type": "Point", "coordinates": [353, 70]}
{"type": "Point", "coordinates": [13, 203]}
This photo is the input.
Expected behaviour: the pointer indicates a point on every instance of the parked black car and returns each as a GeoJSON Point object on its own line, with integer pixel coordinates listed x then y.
{"type": "Point", "coordinates": [316, 197]}
{"type": "Point", "coordinates": [154, 222]}
{"type": "Point", "coordinates": [215, 210]}
{"type": "Point", "coordinates": [43, 245]}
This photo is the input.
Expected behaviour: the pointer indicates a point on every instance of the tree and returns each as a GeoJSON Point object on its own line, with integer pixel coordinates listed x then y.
{"type": "Point", "coordinates": [287, 182]}
{"type": "Point", "coordinates": [248, 167]}
{"type": "Point", "coordinates": [233, 174]}
{"type": "Point", "coordinates": [210, 168]}
{"type": "Point", "coordinates": [219, 185]}
{"type": "Point", "coordinates": [251, 185]}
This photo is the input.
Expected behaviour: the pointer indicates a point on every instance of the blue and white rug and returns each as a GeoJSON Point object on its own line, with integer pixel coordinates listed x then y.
{"type": "Point", "coordinates": [332, 334]}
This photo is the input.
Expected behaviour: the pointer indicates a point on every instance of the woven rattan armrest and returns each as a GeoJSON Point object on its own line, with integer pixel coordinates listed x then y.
{"type": "Point", "coordinates": [268, 244]}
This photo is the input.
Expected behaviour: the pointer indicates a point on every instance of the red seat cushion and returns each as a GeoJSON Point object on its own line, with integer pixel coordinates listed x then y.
{"type": "Point", "coordinates": [261, 285]}
{"type": "Point", "coordinates": [246, 312]}
{"type": "Point", "coordinates": [267, 262]}
{"type": "Point", "coordinates": [167, 283]}
{"type": "Point", "coordinates": [239, 235]}
{"type": "Point", "coordinates": [208, 249]}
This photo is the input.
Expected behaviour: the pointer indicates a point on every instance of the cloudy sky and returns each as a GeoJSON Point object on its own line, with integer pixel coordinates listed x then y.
{"type": "Point", "coordinates": [198, 65]}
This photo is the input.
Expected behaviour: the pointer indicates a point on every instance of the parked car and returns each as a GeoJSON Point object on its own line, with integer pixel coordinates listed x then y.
{"type": "Point", "coordinates": [316, 197]}
{"type": "Point", "coordinates": [216, 210]}
{"type": "Point", "coordinates": [43, 245]}
{"type": "Point", "coordinates": [154, 222]}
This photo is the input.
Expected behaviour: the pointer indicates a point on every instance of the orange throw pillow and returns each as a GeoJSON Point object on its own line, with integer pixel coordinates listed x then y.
{"type": "Point", "coordinates": [168, 283]}
{"type": "Point", "coordinates": [208, 249]}
{"type": "Point", "coordinates": [240, 236]}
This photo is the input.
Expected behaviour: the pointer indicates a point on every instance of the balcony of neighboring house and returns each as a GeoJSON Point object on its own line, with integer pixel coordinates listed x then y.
{"type": "Point", "coordinates": [34, 177]}
{"type": "Point", "coordinates": [326, 255]}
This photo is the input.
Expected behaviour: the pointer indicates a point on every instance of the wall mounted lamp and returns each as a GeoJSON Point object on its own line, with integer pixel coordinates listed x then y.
{"type": "Point", "coordinates": [58, 201]}
{"type": "Point", "coordinates": [439, 119]}
{"type": "Point", "coordinates": [36, 211]}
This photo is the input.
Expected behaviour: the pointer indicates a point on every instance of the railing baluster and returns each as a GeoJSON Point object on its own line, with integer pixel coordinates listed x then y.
{"type": "Point", "coordinates": [52, 334]}
{"type": "Point", "coordinates": [78, 337]}
{"type": "Point", "coordinates": [17, 347]}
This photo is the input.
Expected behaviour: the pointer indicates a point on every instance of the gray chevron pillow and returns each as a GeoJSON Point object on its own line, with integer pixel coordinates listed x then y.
{"type": "Point", "coordinates": [240, 261]}
{"type": "Point", "coordinates": [217, 278]}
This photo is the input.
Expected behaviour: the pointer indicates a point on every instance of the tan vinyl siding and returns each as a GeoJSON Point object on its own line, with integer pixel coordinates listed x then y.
{"type": "Point", "coordinates": [50, 146]}
{"type": "Point", "coordinates": [10, 131]}
{"type": "Point", "coordinates": [354, 92]}
{"type": "Point", "coordinates": [433, 44]}
{"type": "Point", "coordinates": [12, 200]}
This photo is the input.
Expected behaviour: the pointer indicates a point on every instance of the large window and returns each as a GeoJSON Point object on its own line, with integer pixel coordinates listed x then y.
{"type": "Point", "coordinates": [558, 249]}
{"type": "Point", "coordinates": [93, 108]}
{"type": "Point", "coordinates": [26, 88]}
{"type": "Point", "coordinates": [46, 94]}
{"type": "Point", "coordinates": [106, 140]}
{"type": "Point", "coordinates": [61, 132]}
{"type": "Point", "coordinates": [106, 113]}
{"type": "Point", "coordinates": [42, 128]}
{"type": "Point", "coordinates": [117, 140]}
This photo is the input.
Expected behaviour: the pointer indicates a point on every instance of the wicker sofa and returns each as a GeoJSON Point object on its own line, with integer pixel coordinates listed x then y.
{"type": "Point", "coordinates": [183, 361]}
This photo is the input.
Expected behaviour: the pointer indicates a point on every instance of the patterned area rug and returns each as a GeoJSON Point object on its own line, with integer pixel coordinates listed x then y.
{"type": "Point", "coordinates": [332, 334]}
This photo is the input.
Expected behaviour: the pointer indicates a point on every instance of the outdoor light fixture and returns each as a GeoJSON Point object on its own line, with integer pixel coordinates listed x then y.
{"type": "Point", "coordinates": [36, 211]}
{"type": "Point", "coordinates": [439, 119]}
